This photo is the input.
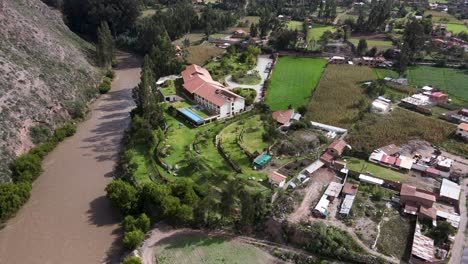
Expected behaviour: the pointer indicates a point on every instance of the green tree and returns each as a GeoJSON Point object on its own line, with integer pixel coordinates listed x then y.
{"type": "Point", "coordinates": [133, 239]}
{"type": "Point", "coordinates": [184, 190]}
{"type": "Point", "coordinates": [142, 222]}
{"type": "Point", "coordinates": [123, 196]}
{"type": "Point", "coordinates": [132, 260]}
{"type": "Point", "coordinates": [362, 47]}
{"type": "Point", "coordinates": [441, 232]}
{"type": "Point", "coordinates": [12, 197]}
{"type": "Point", "coordinates": [105, 45]}
{"type": "Point", "coordinates": [253, 30]}
{"type": "Point", "coordinates": [247, 209]}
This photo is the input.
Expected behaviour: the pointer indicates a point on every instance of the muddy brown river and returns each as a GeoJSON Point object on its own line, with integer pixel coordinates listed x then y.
{"type": "Point", "coordinates": [68, 218]}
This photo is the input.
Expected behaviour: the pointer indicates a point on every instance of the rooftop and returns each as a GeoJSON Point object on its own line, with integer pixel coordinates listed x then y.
{"type": "Point", "coordinates": [333, 189]}
{"type": "Point", "coordinates": [276, 177]}
{"type": "Point", "coordinates": [347, 204]}
{"type": "Point", "coordinates": [450, 189]}
{"type": "Point", "coordinates": [283, 116]}
{"type": "Point", "coordinates": [463, 126]}
{"type": "Point", "coordinates": [349, 188]}
{"type": "Point", "coordinates": [408, 190]}
{"type": "Point", "coordinates": [338, 145]}
{"type": "Point", "coordinates": [423, 246]}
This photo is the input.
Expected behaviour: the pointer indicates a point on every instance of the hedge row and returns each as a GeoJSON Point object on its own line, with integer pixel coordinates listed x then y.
{"type": "Point", "coordinates": [26, 168]}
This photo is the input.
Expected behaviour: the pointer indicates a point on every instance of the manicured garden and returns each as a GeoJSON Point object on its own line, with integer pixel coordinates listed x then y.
{"type": "Point", "coordinates": [452, 81]}
{"type": "Point", "coordinates": [293, 81]}
{"type": "Point", "coordinates": [208, 249]}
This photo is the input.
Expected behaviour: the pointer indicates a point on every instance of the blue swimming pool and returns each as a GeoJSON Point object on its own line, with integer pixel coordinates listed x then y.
{"type": "Point", "coordinates": [191, 115]}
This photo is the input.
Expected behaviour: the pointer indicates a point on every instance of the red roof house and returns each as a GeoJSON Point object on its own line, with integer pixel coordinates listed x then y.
{"type": "Point", "coordinates": [337, 147]}
{"type": "Point", "coordinates": [439, 97]}
{"type": "Point", "coordinates": [275, 177]}
{"type": "Point", "coordinates": [350, 189]}
{"type": "Point", "coordinates": [389, 160]}
{"type": "Point", "coordinates": [409, 194]}
{"type": "Point", "coordinates": [283, 116]}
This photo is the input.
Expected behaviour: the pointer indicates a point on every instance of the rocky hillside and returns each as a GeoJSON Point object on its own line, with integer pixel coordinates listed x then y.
{"type": "Point", "coordinates": [45, 76]}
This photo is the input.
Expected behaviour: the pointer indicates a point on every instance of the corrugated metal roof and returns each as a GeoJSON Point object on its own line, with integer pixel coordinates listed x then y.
{"type": "Point", "coordinates": [347, 204]}
{"type": "Point", "coordinates": [450, 189]}
{"type": "Point", "coordinates": [314, 166]}
{"type": "Point", "coordinates": [369, 179]}
{"type": "Point", "coordinates": [333, 189]}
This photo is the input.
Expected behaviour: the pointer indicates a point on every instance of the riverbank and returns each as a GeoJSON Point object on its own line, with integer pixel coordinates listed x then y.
{"type": "Point", "coordinates": [68, 218]}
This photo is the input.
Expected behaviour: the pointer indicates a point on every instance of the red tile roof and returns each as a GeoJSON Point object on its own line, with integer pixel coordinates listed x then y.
{"type": "Point", "coordinates": [283, 116]}
{"type": "Point", "coordinates": [338, 145]}
{"type": "Point", "coordinates": [276, 177]}
{"type": "Point", "coordinates": [327, 158]}
{"type": "Point", "coordinates": [429, 212]}
{"type": "Point", "coordinates": [463, 126]}
{"type": "Point", "coordinates": [408, 190]}
{"type": "Point", "coordinates": [197, 80]}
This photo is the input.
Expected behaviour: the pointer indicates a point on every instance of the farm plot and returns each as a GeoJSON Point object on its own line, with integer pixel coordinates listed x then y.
{"type": "Point", "coordinates": [452, 81]}
{"type": "Point", "coordinates": [379, 44]}
{"type": "Point", "coordinates": [457, 28]}
{"type": "Point", "coordinates": [200, 54]}
{"type": "Point", "coordinates": [396, 236]}
{"type": "Point", "coordinates": [293, 81]}
{"type": "Point", "coordinates": [339, 98]}
{"type": "Point", "coordinates": [207, 249]}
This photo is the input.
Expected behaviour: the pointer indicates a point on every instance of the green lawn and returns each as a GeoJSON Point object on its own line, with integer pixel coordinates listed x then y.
{"type": "Point", "coordinates": [378, 171]}
{"type": "Point", "coordinates": [379, 44]}
{"type": "Point", "coordinates": [192, 37]}
{"type": "Point", "coordinates": [293, 81]}
{"type": "Point", "coordinates": [382, 73]}
{"type": "Point", "coordinates": [441, 17]}
{"type": "Point", "coordinates": [196, 249]}
{"type": "Point", "coordinates": [452, 81]}
{"type": "Point", "coordinates": [317, 31]}
{"type": "Point", "coordinates": [293, 25]}
{"type": "Point", "coordinates": [254, 142]}
{"type": "Point", "coordinates": [457, 28]}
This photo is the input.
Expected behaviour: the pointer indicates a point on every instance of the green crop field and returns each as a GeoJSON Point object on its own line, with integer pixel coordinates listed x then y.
{"type": "Point", "coordinates": [208, 250]}
{"type": "Point", "coordinates": [292, 25]}
{"type": "Point", "coordinates": [293, 81]}
{"type": "Point", "coordinates": [452, 81]}
{"type": "Point", "coordinates": [339, 98]}
{"type": "Point", "coordinates": [457, 28]}
{"type": "Point", "coordinates": [379, 44]}
{"type": "Point", "coordinates": [377, 170]}
{"type": "Point", "coordinates": [441, 17]}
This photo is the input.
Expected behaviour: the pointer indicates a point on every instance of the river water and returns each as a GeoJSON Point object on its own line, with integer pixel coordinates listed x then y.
{"type": "Point", "coordinates": [68, 218]}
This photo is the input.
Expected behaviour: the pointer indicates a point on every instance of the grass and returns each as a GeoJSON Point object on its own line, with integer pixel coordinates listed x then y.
{"type": "Point", "coordinates": [147, 13]}
{"type": "Point", "coordinates": [441, 17]}
{"type": "Point", "coordinates": [339, 98]}
{"type": "Point", "coordinates": [457, 28]}
{"type": "Point", "coordinates": [184, 104]}
{"type": "Point", "coordinates": [293, 81]}
{"type": "Point", "coordinates": [219, 35]}
{"type": "Point", "coordinates": [192, 37]}
{"type": "Point", "coordinates": [379, 44]}
{"type": "Point", "coordinates": [253, 142]}
{"type": "Point", "coordinates": [382, 73]}
{"type": "Point", "coordinates": [250, 19]}
{"type": "Point", "coordinates": [452, 81]}
{"type": "Point", "coordinates": [293, 25]}
{"type": "Point", "coordinates": [317, 31]}
{"type": "Point", "coordinates": [396, 237]}
{"type": "Point", "coordinates": [168, 88]}
{"type": "Point", "coordinates": [360, 165]}
{"type": "Point", "coordinates": [249, 79]}
{"type": "Point", "coordinates": [200, 54]}
{"type": "Point", "coordinates": [208, 250]}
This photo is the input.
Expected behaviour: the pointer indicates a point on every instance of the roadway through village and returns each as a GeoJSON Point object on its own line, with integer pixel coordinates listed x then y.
{"type": "Point", "coordinates": [68, 218]}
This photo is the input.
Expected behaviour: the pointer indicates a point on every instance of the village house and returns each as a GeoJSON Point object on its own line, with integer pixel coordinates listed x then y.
{"type": "Point", "coordinates": [210, 94]}
{"type": "Point", "coordinates": [423, 250]}
{"type": "Point", "coordinates": [277, 178]}
{"type": "Point", "coordinates": [462, 131]}
{"type": "Point", "coordinates": [370, 61]}
{"type": "Point", "coordinates": [337, 60]}
{"type": "Point", "coordinates": [283, 117]}
{"type": "Point", "coordinates": [239, 33]}
{"type": "Point", "coordinates": [449, 192]}
{"type": "Point", "coordinates": [334, 150]}
{"type": "Point", "coordinates": [381, 105]}
{"type": "Point", "coordinates": [412, 198]}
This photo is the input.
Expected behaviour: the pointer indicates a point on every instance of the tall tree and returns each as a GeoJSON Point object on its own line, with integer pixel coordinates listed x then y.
{"type": "Point", "coordinates": [362, 47]}
{"type": "Point", "coordinates": [105, 45]}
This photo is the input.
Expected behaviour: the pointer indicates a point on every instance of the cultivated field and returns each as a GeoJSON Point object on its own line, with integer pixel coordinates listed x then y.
{"type": "Point", "coordinates": [402, 125]}
{"type": "Point", "coordinates": [317, 31]}
{"type": "Point", "coordinates": [208, 250]}
{"type": "Point", "coordinates": [457, 28]}
{"type": "Point", "coordinates": [339, 98]}
{"type": "Point", "coordinates": [379, 44]}
{"type": "Point", "coordinates": [453, 81]}
{"type": "Point", "coordinates": [293, 81]}
{"type": "Point", "coordinates": [201, 54]}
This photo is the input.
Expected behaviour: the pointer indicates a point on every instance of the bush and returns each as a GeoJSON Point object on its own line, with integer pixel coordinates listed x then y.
{"type": "Point", "coordinates": [105, 85]}
{"type": "Point", "coordinates": [131, 223]}
{"type": "Point", "coordinates": [39, 133]}
{"type": "Point", "coordinates": [65, 131]}
{"type": "Point", "coordinates": [76, 109]}
{"type": "Point", "coordinates": [26, 167]}
{"type": "Point", "coordinates": [110, 74]}
{"type": "Point", "coordinates": [132, 260]}
{"type": "Point", "coordinates": [12, 197]}
{"type": "Point", "coordinates": [133, 239]}
{"type": "Point", "coordinates": [45, 148]}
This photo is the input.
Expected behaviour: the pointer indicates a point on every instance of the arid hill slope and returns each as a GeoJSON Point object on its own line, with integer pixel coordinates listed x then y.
{"type": "Point", "coordinates": [44, 72]}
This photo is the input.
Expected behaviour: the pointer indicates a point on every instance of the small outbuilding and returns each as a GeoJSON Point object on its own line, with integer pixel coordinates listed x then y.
{"type": "Point", "coordinates": [277, 178]}
{"type": "Point", "coordinates": [449, 192]}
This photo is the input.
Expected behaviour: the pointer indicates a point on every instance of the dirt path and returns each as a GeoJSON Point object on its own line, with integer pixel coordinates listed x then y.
{"type": "Point", "coordinates": [461, 239]}
{"type": "Point", "coordinates": [68, 218]}
{"type": "Point", "coordinates": [318, 180]}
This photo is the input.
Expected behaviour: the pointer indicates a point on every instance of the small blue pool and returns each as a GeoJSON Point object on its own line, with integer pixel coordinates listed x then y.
{"type": "Point", "coordinates": [191, 115]}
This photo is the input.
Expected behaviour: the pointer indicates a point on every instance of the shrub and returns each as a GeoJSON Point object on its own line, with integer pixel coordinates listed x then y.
{"type": "Point", "coordinates": [110, 74]}
{"type": "Point", "coordinates": [26, 167]}
{"type": "Point", "coordinates": [12, 197]}
{"type": "Point", "coordinates": [76, 109]}
{"type": "Point", "coordinates": [39, 133]}
{"type": "Point", "coordinates": [65, 131]}
{"type": "Point", "coordinates": [132, 260]}
{"type": "Point", "coordinates": [43, 149]}
{"type": "Point", "coordinates": [105, 85]}
{"type": "Point", "coordinates": [133, 239]}
{"type": "Point", "coordinates": [131, 223]}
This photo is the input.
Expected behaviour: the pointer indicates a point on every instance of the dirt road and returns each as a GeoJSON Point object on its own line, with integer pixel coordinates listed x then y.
{"type": "Point", "coordinates": [461, 240]}
{"type": "Point", "coordinates": [68, 218]}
